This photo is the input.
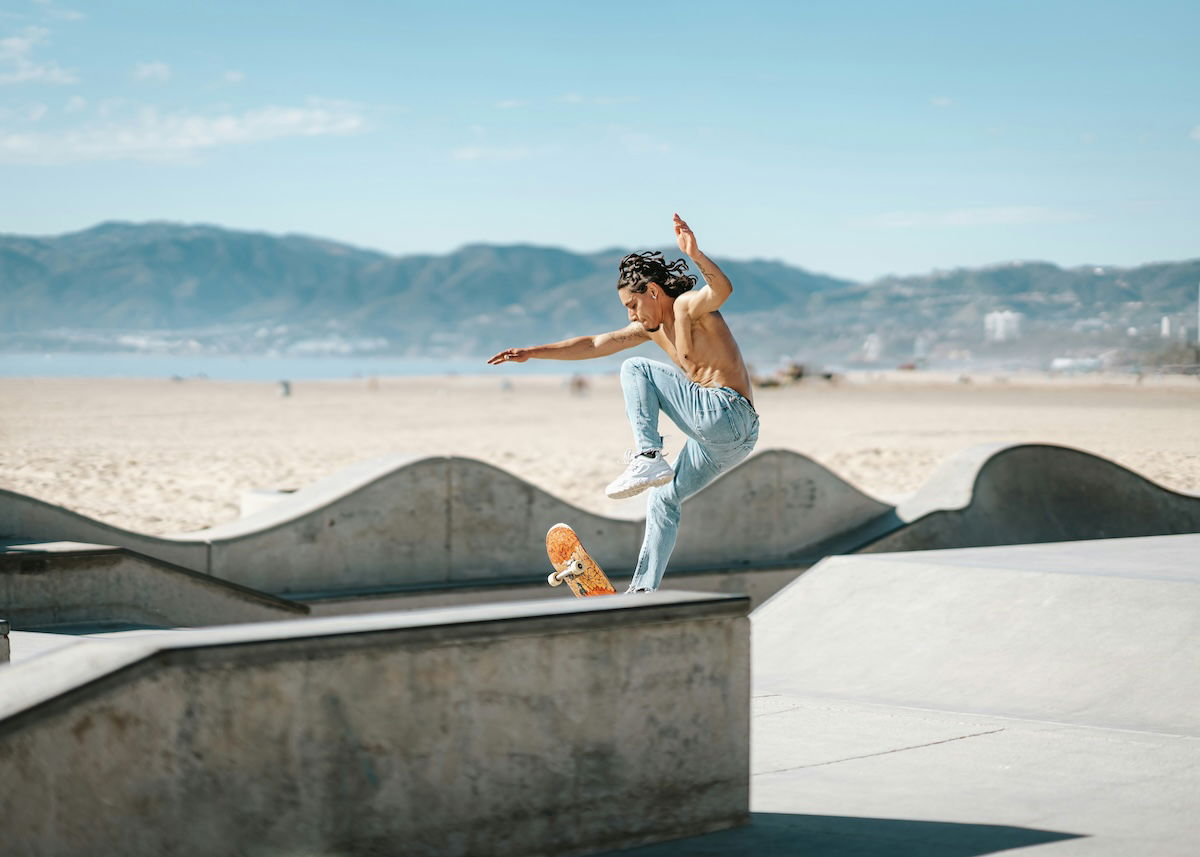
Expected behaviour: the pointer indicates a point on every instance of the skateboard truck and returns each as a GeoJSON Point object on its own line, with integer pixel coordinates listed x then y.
{"type": "Point", "coordinates": [574, 569]}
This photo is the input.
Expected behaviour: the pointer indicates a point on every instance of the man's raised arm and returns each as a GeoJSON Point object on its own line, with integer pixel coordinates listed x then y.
{"type": "Point", "coordinates": [577, 348]}
{"type": "Point", "coordinates": [716, 285]}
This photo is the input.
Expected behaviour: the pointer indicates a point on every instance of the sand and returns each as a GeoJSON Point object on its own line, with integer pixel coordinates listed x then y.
{"type": "Point", "coordinates": [164, 456]}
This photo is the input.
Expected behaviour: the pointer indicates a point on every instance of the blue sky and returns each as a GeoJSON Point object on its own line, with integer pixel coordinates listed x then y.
{"type": "Point", "coordinates": [853, 138]}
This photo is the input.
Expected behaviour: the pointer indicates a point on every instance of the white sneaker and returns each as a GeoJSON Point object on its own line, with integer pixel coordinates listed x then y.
{"type": "Point", "coordinates": [642, 473]}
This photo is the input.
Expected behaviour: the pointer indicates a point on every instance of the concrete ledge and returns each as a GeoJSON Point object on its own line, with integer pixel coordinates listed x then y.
{"type": "Point", "coordinates": [57, 584]}
{"type": "Point", "coordinates": [526, 728]}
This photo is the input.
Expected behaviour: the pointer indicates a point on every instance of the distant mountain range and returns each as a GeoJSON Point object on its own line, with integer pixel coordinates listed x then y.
{"type": "Point", "coordinates": [176, 287]}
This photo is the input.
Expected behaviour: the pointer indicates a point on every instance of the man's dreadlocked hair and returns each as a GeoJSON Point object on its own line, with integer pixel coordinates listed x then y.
{"type": "Point", "coordinates": [639, 270]}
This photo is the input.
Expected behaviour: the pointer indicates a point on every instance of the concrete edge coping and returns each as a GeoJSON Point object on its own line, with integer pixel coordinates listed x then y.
{"type": "Point", "coordinates": [15, 547]}
{"type": "Point", "coordinates": [10, 551]}
{"type": "Point", "coordinates": [537, 579]}
{"type": "Point", "coordinates": [85, 666]}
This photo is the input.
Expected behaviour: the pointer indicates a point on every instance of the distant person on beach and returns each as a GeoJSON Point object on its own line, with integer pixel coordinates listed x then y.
{"type": "Point", "coordinates": [710, 399]}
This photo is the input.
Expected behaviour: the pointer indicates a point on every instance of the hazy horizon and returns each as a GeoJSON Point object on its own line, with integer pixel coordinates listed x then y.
{"type": "Point", "coordinates": [593, 251]}
{"type": "Point", "coordinates": [862, 140]}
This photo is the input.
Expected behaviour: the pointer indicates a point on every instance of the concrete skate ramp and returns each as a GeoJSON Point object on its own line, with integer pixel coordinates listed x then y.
{"type": "Point", "coordinates": [446, 521]}
{"type": "Point", "coordinates": [409, 524]}
{"type": "Point", "coordinates": [1103, 633]}
{"type": "Point", "coordinates": [71, 585]}
{"type": "Point", "coordinates": [1002, 494]}
{"type": "Point", "coordinates": [476, 730]}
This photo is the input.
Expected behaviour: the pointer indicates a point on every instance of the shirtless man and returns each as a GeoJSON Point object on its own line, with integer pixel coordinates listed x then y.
{"type": "Point", "coordinates": [710, 399]}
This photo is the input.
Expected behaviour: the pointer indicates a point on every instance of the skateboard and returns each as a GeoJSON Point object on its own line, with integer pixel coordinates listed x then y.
{"type": "Point", "coordinates": [572, 564]}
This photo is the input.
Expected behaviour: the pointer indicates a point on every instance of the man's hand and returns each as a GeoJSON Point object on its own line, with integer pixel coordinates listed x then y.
{"type": "Point", "coordinates": [685, 237]}
{"type": "Point", "coordinates": [510, 355]}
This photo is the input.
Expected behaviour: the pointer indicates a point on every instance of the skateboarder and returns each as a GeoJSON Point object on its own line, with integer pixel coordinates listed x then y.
{"type": "Point", "coordinates": [708, 396]}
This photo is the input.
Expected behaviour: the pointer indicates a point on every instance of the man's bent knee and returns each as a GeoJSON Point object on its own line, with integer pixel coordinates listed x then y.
{"type": "Point", "coordinates": [664, 500]}
{"type": "Point", "coordinates": [634, 364]}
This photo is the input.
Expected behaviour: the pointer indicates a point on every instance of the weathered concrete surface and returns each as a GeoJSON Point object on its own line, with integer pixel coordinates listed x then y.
{"type": "Point", "coordinates": [1002, 494]}
{"type": "Point", "coordinates": [458, 521]}
{"type": "Point", "coordinates": [5, 648]}
{"type": "Point", "coordinates": [407, 522]}
{"type": "Point", "coordinates": [460, 731]}
{"type": "Point", "coordinates": [416, 523]}
{"type": "Point", "coordinates": [1103, 633]}
{"type": "Point", "coordinates": [1040, 698]}
{"type": "Point", "coordinates": [837, 774]}
{"type": "Point", "coordinates": [54, 584]}
{"type": "Point", "coordinates": [424, 521]}
{"type": "Point", "coordinates": [757, 584]}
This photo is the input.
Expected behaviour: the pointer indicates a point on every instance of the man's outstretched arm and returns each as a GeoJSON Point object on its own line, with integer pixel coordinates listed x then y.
{"type": "Point", "coordinates": [577, 348]}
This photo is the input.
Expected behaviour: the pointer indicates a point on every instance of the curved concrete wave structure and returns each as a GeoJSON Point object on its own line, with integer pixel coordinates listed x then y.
{"type": "Point", "coordinates": [449, 521]}
{"type": "Point", "coordinates": [1003, 494]}
{"type": "Point", "coordinates": [422, 523]}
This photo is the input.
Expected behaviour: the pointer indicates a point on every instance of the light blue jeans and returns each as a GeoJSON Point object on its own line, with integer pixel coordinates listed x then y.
{"type": "Point", "coordinates": [722, 428]}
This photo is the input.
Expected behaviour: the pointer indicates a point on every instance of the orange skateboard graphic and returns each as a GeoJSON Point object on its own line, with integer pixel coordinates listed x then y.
{"type": "Point", "coordinates": [573, 565]}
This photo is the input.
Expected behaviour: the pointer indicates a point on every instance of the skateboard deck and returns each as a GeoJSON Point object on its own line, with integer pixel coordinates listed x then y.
{"type": "Point", "coordinates": [573, 565]}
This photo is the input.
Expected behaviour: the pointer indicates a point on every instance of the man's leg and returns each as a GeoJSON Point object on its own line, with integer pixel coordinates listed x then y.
{"type": "Point", "coordinates": [650, 387]}
{"type": "Point", "coordinates": [693, 470]}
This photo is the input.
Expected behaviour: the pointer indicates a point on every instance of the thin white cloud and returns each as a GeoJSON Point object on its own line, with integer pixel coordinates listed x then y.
{"type": "Point", "coordinates": [178, 137]}
{"type": "Point", "coordinates": [1195, 135]}
{"type": "Point", "coordinates": [601, 100]}
{"type": "Point", "coordinates": [17, 63]}
{"type": "Point", "coordinates": [110, 106]}
{"type": "Point", "coordinates": [491, 153]}
{"type": "Point", "coordinates": [638, 143]}
{"type": "Point", "coordinates": [154, 72]}
{"type": "Point", "coordinates": [511, 103]}
{"type": "Point", "coordinates": [1011, 215]}
{"type": "Point", "coordinates": [28, 113]}
{"type": "Point", "coordinates": [61, 14]}
{"type": "Point", "coordinates": [75, 104]}
{"type": "Point", "coordinates": [942, 101]}
{"type": "Point", "coordinates": [233, 77]}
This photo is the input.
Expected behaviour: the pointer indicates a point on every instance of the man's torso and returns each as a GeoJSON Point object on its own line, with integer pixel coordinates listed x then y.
{"type": "Point", "coordinates": [704, 348]}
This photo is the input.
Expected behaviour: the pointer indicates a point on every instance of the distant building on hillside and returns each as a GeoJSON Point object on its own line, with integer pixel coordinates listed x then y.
{"type": "Point", "coordinates": [1002, 326]}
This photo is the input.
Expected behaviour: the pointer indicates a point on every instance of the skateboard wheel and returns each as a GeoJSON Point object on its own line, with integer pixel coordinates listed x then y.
{"type": "Point", "coordinates": [554, 579]}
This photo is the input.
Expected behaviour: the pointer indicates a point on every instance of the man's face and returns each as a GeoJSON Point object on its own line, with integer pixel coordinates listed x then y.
{"type": "Point", "coordinates": [643, 307]}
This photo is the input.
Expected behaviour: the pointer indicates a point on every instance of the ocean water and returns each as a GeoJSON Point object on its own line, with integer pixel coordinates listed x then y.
{"type": "Point", "coordinates": [263, 368]}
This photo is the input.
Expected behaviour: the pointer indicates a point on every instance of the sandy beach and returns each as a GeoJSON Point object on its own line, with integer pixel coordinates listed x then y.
{"type": "Point", "coordinates": [165, 456]}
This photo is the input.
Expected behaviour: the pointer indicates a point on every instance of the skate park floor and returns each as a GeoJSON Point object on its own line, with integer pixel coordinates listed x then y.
{"type": "Point", "coordinates": [1075, 729]}
{"type": "Point", "coordinates": [1035, 699]}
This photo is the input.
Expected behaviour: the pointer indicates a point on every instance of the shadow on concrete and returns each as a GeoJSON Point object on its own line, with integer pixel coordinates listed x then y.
{"type": "Point", "coordinates": [783, 835]}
